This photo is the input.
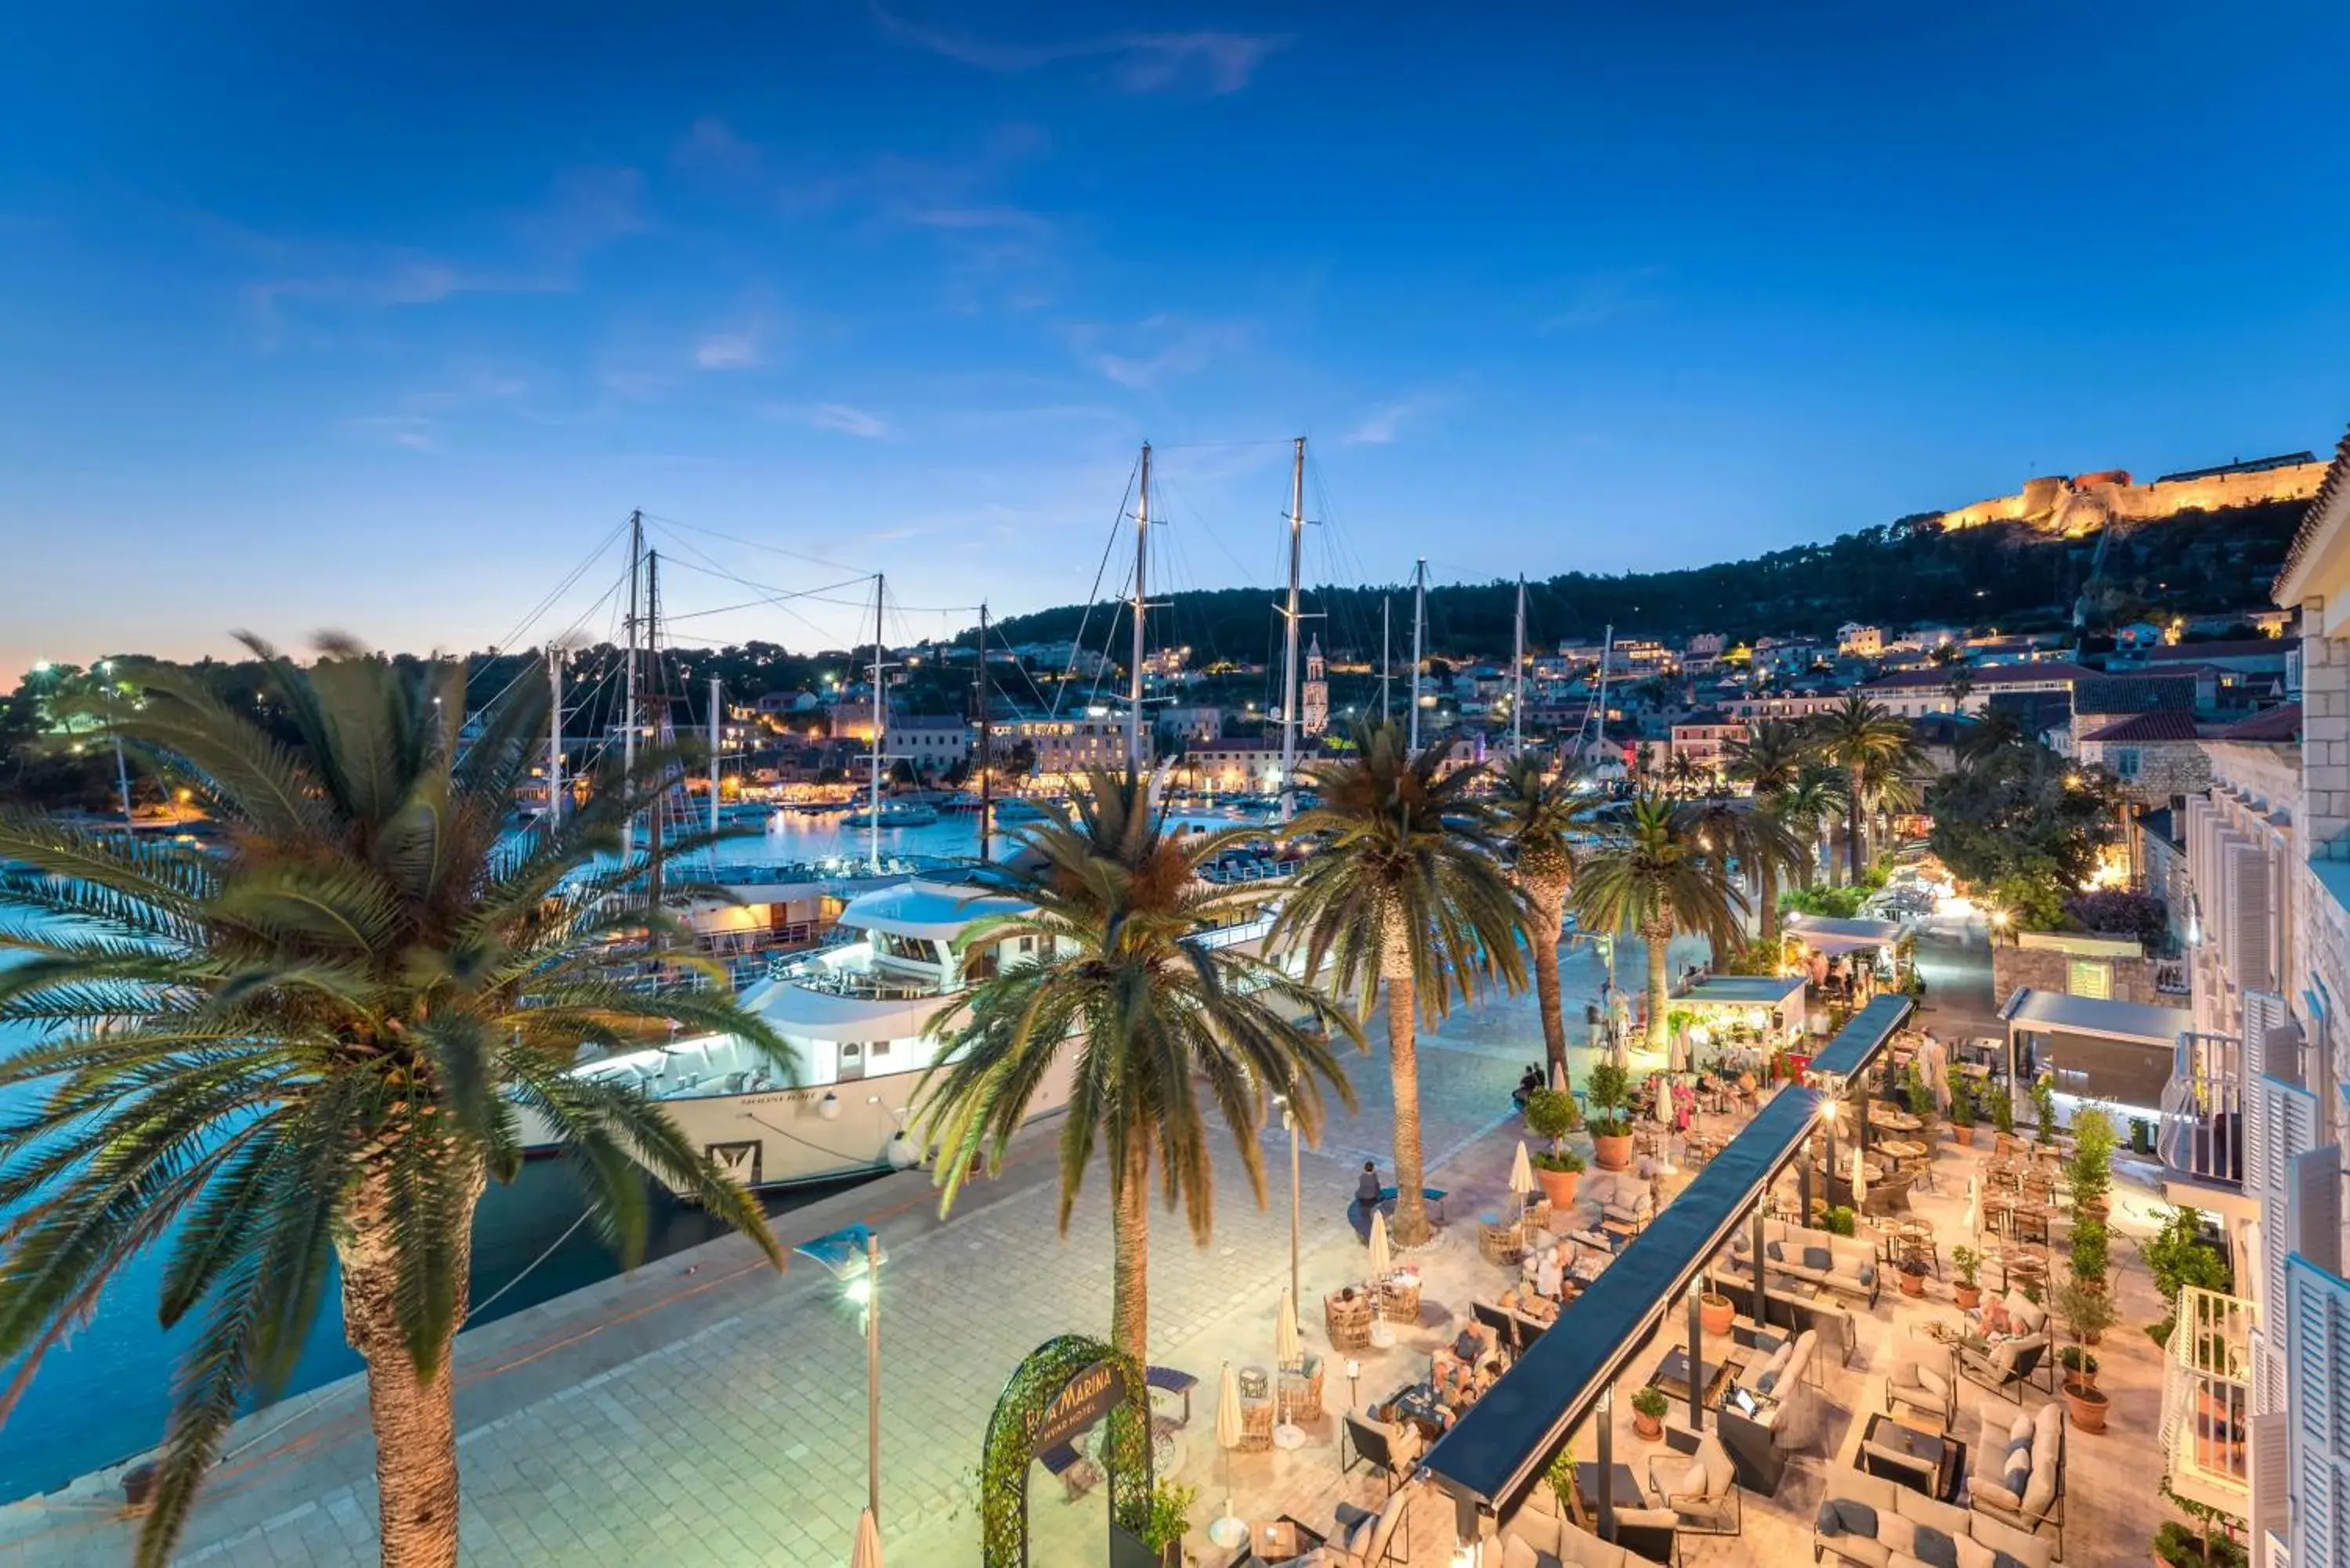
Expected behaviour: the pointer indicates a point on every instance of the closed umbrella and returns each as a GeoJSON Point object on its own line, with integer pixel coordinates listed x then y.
{"type": "Point", "coordinates": [867, 1553]}
{"type": "Point", "coordinates": [1974, 1206]}
{"type": "Point", "coordinates": [1859, 1180]}
{"type": "Point", "coordinates": [1522, 1177]}
{"type": "Point", "coordinates": [1289, 1359]}
{"type": "Point", "coordinates": [1228, 1532]}
{"type": "Point", "coordinates": [1381, 1264]}
{"type": "Point", "coordinates": [1661, 1094]}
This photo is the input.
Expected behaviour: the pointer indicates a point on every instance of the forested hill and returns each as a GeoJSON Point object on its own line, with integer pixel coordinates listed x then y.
{"type": "Point", "coordinates": [1904, 574]}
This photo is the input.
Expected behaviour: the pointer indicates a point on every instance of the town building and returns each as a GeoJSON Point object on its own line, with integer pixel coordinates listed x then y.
{"type": "Point", "coordinates": [1191, 722]}
{"type": "Point", "coordinates": [1704, 737]}
{"type": "Point", "coordinates": [1860, 641]}
{"type": "Point", "coordinates": [1065, 748]}
{"type": "Point", "coordinates": [928, 744]}
{"type": "Point", "coordinates": [1314, 701]}
{"type": "Point", "coordinates": [1914, 693]}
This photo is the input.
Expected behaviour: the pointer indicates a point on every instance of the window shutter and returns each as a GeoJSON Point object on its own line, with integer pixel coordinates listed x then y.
{"type": "Point", "coordinates": [2290, 1114]}
{"type": "Point", "coordinates": [2271, 1039]}
{"type": "Point", "coordinates": [2318, 1356]}
{"type": "Point", "coordinates": [2272, 1480]}
{"type": "Point", "coordinates": [2246, 941]}
{"type": "Point", "coordinates": [2315, 1206]}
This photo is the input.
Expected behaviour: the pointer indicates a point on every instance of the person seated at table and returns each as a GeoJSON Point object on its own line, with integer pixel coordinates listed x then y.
{"type": "Point", "coordinates": [1550, 1270]}
{"type": "Point", "coordinates": [1453, 1366]}
{"type": "Point", "coordinates": [1527, 1302]}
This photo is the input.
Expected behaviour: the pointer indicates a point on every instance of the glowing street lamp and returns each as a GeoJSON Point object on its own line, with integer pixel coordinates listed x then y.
{"type": "Point", "coordinates": [854, 1255]}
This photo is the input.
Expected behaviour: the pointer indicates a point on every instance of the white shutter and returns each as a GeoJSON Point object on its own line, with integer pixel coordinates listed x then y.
{"type": "Point", "coordinates": [2315, 1206]}
{"type": "Point", "coordinates": [2272, 1478]}
{"type": "Point", "coordinates": [2271, 1042]}
{"type": "Point", "coordinates": [2246, 939]}
{"type": "Point", "coordinates": [2318, 1358]}
{"type": "Point", "coordinates": [2290, 1117]}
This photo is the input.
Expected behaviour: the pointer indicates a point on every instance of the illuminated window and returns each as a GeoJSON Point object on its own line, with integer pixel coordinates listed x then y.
{"type": "Point", "coordinates": [2088, 976]}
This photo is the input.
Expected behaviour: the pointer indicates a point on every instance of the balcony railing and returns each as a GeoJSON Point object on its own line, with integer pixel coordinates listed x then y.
{"type": "Point", "coordinates": [2207, 1399]}
{"type": "Point", "coordinates": [2202, 1137]}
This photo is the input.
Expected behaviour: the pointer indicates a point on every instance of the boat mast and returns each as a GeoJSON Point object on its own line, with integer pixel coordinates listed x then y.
{"type": "Point", "coordinates": [1289, 715]}
{"type": "Point", "coordinates": [1606, 656]}
{"type": "Point", "coordinates": [1387, 603]}
{"type": "Point", "coordinates": [986, 801]}
{"type": "Point", "coordinates": [873, 827]}
{"type": "Point", "coordinates": [628, 683]}
{"type": "Point", "coordinates": [660, 693]}
{"type": "Point", "coordinates": [714, 754]}
{"type": "Point", "coordinates": [1518, 669]}
{"type": "Point", "coordinates": [1419, 638]}
{"type": "Point", "coordinates": [553, 738]}
{"type": "Point", "coordinates": [1142, 563]}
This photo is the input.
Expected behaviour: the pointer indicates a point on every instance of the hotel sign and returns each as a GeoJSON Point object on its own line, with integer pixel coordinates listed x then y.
{"type": "Point", "coordinates": [1086, 1398]}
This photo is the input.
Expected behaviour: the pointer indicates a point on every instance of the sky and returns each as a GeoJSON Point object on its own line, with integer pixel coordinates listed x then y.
{"type": "Point", "coordinates": [380, 319]}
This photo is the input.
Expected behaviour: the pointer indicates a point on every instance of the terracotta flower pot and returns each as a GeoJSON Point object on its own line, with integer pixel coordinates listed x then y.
{"type": "Point", "coordinates": [2085, 1405]}
{"type": "Point", "coordinates": [1559, 1185]}
{"type": "Point", "coordinates": [1970, 1297]}
{"type": "Point", "coordinates": [1648, 1427]}
{"type": "Point", "coordinates": [1613, 1153]}
{"type": "Point", "coordinates": [1912, 1284]}
{"type": "Point", "coordinates": [1966, 1135]}
{"type": "Point", "coordinates": [1714, 1313]}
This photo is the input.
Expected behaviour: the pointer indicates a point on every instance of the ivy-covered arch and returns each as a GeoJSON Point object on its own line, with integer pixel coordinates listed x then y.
{"type": "Point", "coordinates": [1066, 1380]}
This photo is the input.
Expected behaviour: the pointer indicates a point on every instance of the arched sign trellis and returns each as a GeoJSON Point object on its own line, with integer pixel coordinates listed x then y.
{"type": "Point", "coordinates": [1063, 1386]}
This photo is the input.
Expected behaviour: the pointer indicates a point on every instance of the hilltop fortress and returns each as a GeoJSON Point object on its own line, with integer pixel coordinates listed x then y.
{"type": "Point", "coordinates": [2067, 507]}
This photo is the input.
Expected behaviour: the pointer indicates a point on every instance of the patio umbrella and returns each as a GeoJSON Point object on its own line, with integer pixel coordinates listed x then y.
{"type": "Point", "coordinates": [1522, 1177]}
{"type": "Point", "coordinates": [1661, 1094]}
{"type": "Point", "coordinates": [1559, 1077]}
{"type": "Point", "coordinates": [1859, 1179]}
{"type": "Point", "coordinates": [1381, 1264]}
{"type": "Point", "coordinates": [867, 1553]}
{"type": "Point", "coordinates": [1974, 1206]}
{"type": "Point", "coordinates": [1228, 1532]}
{"type": "Point", "coordinates": [1288, 1354]}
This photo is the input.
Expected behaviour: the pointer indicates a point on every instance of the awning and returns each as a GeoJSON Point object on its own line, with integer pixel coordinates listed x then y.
{"type": "Point", "coordinates": [1822, 934]}
{"type": "Point", "coordinates": [2131, 1023]}
{"type": "Point", "coordinates": [1742, 991]}
{"type": "Point", "coordinates": [1505, 1442]}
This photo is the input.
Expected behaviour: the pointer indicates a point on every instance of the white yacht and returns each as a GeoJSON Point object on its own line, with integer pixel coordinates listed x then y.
{"type": "Point", "coordinates": [894, 814]}
{"type": "Point", "coordinates": [856, 1016]}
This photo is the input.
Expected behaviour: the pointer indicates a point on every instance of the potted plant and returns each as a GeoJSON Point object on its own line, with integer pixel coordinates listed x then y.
{"type": "Point", "coordinates": [2079, 1364]}
{"type": "Point", "coordinates": [2089, 1170]}
{"type": "Point", "coordinates": [1967, 1263]}
{"type": "Point", "coordinates": [1842, 1221]}
{"type": "Point", "coordinates": [1560, 1476]}
{"type": "Point", "coordinates": [2044, 1100]}
{"type": "Point", "coordinates": [1913, 1276]}
{"type": "Point", "coordinates": [2088, 1314]}
{"type": "Point", "coordinates": [2002, 1113]}
{"type": "Point", "coordinates": [2208, 1542]}
{"type": "Point", "coordinates": [1915, 1094]}
{"type": "Point", "coordinates": [1551, 1114]}
{"type": "Point", "coordinates": [1648, 1413]}
{"type": "Point", "coordinates": [1715, 1312]}
{"type": "Point", "coordinates": [1610, 1089]}
{"type": "Point", "coordinates": [1170, 1518]}
{"type": "Point", "coordinates": [2092, 1254]}
{"type": "Point", "coordinates": [1963, 1108]}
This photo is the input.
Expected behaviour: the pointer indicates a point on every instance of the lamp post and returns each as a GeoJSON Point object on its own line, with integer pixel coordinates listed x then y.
{"type": "Point", "coordinates": [854, 1256]}
{"type": "Point", "coordinates": [1289, 1122]}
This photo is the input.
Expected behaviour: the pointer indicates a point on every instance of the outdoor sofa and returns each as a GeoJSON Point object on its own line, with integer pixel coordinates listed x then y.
{"type": "Point", "coordinates": [1876, 1523]}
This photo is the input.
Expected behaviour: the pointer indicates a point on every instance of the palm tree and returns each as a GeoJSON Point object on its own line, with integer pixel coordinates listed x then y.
{"type": "Point", "coordinates": [1538, 817]}
{"type": "Point", "coordinates": [1810, 808]}
{"type": "Point", "coordinates": [316, 1045]}
{"type": "Point", "coordinates": [1147, 1018]}
{"type": "Point", "coordinates": [1660, 872]}
{"type": "Point", "coordinates": [1889, 785]}
{"type": "Point", "coordinates": [1748, 837]}
{"type": "Point", "coordinates": [1406, 889]}
{"type": "Point", "coordinates": [1771, 761]}
{"type": "Point", "coordinates": [1685, 775]}
{"type": "Point", "coordinates": [1851, 735]}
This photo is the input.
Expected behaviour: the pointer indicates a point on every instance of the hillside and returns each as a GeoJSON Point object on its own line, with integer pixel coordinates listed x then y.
{"type": "Point", "coordinates": [1911, 572]}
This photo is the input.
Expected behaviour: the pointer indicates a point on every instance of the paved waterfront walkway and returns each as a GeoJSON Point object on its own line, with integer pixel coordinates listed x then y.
{"type": "Point", "coordinates": [707, 1412]}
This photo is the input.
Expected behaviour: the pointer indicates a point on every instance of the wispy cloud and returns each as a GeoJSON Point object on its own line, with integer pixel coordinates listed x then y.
{"type": "Point", "coordinates": [420, 421]}
{"type": "Point", "coordinates": [728, 351]}
{"type": "Point", "coordinates": [711, 145]}
{"type": "Point", "coordinates": [1215, 62]}
{"type": "Point", "coordinates": [1380, 426]}
{"type": "Point", "coordinates": [1154, 350]}
{"type": "Point", "coordinates": [843, 419]}
{"type": "Point", "coordinates": [414, 432]}
{"type": "Point", "coordinates": [1601, 299]}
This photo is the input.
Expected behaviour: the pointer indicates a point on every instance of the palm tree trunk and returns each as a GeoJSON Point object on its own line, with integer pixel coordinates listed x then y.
{"type": "Point", "coordinates": [1129, 1320]}
{"type": "Point", "coordinates": [1766, 884]}
{"type": "Point", "coordinates": [415, 1419]}
{"type": "Point", "coordinates": [1852, 815]}
{"type": "Point", "coordinates": [1403, 1069]}
{"type": "Point", "coordinates": [1659, 935]}
{"type": "Point", "coordinates": [1549, 896]}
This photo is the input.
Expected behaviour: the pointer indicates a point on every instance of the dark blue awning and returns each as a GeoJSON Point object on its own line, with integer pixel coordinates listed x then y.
{"type": "Point", "coordinates": [1858, 1042]}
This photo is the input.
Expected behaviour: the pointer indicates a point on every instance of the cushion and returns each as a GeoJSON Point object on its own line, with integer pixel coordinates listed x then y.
{"type": "Point", "coordinates": [2016, 1478]}
{"type": "Point", "coordinates": [1933, 1382]}
{"type": "Point", "coordinates": [1896, 1534]}
{"type": "Point", "coordinates": [1516, 1553]}
{"type": "Point", "coordinates": [2048, 1427]}
{"type": "Point", "coordinates": [1973, 1554]}
{"type": "Point", "coordinates": [2027, 1318]}
{"type": "Point", "coordinates": [1995, 1492]}
{"type": "Point", "coordinates": [1839, 1516]}
{"type": "Point", "coordinates": [1867, 1274]}
{"type": "Point", "coordinates": [1935, 1548]}
{"type": "Point", "coordinates": [1818, 1258]}
{"type": "Point", "coordinates": [2020, 1430]}
{"type": "Point", "coordinates": [1692, 1482]}
{"type": "Point", "coordinates": [1768, 1381]}
{"type": "Point", "coordinates": [2041, 1490]}
{"type": "Point", "coordinates": [1774, 1252]}
{"type": "Point", "coordinates": [1713, 1460]}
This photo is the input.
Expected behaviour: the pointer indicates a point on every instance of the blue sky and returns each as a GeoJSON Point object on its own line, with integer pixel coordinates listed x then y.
{"type": "Point", "coordinates": [315, 320]}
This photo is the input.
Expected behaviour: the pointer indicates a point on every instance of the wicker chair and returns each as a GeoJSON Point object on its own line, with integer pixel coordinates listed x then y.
{"type": "Point", "coordinates": [1347, 1314]}
{"type": "Point", "coordinates": [1500, 1241]}
{"type": "Point", "coordinates": [1399, 1300]}
{"type": "Point", "coordinates": [1300, 1390]}
{"type": "Point", "coordinates": [1256, 1425]}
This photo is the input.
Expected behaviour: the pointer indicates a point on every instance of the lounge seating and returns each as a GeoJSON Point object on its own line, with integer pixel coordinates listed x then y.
{"type": "Point", "coordinates": [1845, 1264]}
{"type": "Point", "coordinates": [2029, 1449]}
{"type": "Point", "coordinates": [1702, 1490]}
{"type": "Point", "coordinates": [1623, 1196]}
{"type": "Point", "coordinates": [1362, 1538]}
{"type": "Point", "coordinates": [1077, 1474]}
{"type": "Point", "coordinates": [1300, 1390]}
{"type": "Point", "coordinates": [1923, 1380]}
{"type": "Point", "coordinates": [1537, 1535]}
{"type": "Point", "coordinates": [2009, 1366]}
{"type": "Point", "coordinates": [1392, 1450]}
{"type": "Point", "coordinates": [1875, 1523]}
{"type": "Point", "coordinates": [1791, 1412]}
{"type": "Point", "coordinates": [1256, 1425]}
{"type": "Point", "coordinates": [1169, 1380]}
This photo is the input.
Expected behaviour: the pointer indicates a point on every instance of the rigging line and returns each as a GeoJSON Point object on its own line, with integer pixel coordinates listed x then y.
{"type": "Point", "coordinates": [753, 544]}
{"type": "Point", "coordinates": [564, 587]}
{"type": "Point", "coordinates": [1118, 526]}
{"type": "Point", "coordinates": [531, 666]}
{"type": "Point", "coordinates": [715, 569]}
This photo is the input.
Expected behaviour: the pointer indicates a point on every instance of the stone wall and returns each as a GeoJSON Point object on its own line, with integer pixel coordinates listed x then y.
{"type": "Point", "coordinates": [2049, 967]}
{"type": "Point", "coordinates": [2061, 507]}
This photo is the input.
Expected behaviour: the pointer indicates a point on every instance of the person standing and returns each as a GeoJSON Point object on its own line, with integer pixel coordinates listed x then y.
{"type": "Point", "coordinates": [1368, 1192]}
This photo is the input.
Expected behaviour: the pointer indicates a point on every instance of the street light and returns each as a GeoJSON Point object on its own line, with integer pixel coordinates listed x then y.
{"type": "Point", "coordinates": [854, 1256]}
